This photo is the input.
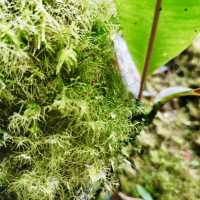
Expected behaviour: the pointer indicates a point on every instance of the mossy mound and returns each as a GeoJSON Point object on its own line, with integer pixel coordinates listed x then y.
{"type": "Point", "coordinates": [64, 113]}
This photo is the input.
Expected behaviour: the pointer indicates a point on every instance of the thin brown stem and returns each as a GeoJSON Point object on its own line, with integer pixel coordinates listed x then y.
{"type": "Point", "coordinates": [150, 46]}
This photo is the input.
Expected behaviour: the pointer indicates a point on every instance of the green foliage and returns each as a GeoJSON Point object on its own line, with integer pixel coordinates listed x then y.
{"type": "Point", "coordinates": [168, 166]}
{"type": "Point", "coordinates": [165, 176]}
{"type": "Point", "coordinates": [174, 92]}
{"type": "Point", "coordinates": [178, 25]}
{"type": "Point", "coordinates": [143, 193]}
{"type": "Point", "coordinates": [63, 109]}
{"type": "Point", "coordinates": [166, 95]}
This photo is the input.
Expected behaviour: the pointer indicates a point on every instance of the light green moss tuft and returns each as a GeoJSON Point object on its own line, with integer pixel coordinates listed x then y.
{"type": "Point", "coordinates": [64, 113]}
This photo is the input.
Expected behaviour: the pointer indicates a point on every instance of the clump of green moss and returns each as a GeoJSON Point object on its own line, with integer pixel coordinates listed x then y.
{"type": "Point", "coordinates": [64, 113]}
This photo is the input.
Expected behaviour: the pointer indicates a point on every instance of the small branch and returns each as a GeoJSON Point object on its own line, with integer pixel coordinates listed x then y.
{"type": "Point", "coordinates": [150, 46]}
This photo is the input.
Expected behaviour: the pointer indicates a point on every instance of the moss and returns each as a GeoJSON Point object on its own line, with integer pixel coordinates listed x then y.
{"type": "Point", "coordinates": [64, 112]}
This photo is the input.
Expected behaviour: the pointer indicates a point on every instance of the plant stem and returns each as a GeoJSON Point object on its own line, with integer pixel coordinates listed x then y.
{"type": "Point", "coordinates": [150, 46]}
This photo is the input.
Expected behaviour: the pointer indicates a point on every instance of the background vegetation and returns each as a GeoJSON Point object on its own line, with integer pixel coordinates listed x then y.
{"type": "Point", "coordinates": [168, 166]}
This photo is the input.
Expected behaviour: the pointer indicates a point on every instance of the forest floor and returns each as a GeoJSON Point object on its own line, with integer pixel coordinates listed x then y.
{"type": "Point", "coordinates": [168, 167]}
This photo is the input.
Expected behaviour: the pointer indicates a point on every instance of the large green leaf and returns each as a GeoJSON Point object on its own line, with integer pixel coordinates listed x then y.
{"type": "Point", "coordinates": [179, 23]}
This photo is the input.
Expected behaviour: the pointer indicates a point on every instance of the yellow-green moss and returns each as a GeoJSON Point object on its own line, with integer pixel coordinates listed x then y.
{"type": "Point", "coordinates": [64, 112]}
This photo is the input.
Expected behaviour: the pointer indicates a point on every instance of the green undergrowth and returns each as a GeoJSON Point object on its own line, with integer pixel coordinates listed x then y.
{"type": "Point", "coordinates": [64, 112]}
{"type": "Point", "coordinates": [168, 167]}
